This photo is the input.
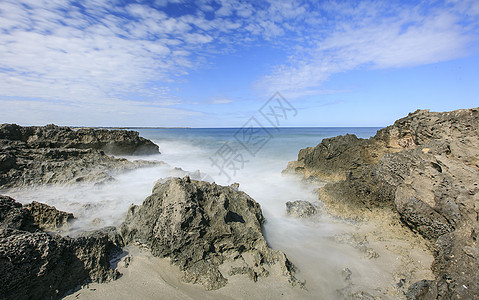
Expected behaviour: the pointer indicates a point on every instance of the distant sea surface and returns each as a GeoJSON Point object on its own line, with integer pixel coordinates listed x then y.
{"type": "Point", "coordinates": [195, 148]}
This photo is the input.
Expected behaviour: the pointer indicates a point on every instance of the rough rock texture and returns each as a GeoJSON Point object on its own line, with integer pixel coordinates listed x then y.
{"type": "Point", "coordinates": [426, 168]}
{"type": "Point", "coordinates": [52, 154]}
{"type": "Point", "coordinates": [301, 209]}
{"type": "Point", "coordinates": [38, 265]}
{"type": "Point", "coordinates": [117, 142]}
{"type": "Point", "coordinates": [32, 216]}
{"type": "Point", "coordinates": [13, 215]}
{"type": "Point", "coordinates": [209, 231]}
{"type": "Point", "coordinates": [48, 217]}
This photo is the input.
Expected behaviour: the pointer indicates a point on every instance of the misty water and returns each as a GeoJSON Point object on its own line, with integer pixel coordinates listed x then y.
{"type": "Point", "coordinates": [226, 156]}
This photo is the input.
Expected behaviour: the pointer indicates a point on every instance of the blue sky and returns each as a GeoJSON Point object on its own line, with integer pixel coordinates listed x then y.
{"type": "Point", "coordinates": [213, 63]}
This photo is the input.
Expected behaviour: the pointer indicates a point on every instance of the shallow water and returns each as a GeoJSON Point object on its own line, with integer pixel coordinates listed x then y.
{"type": "Point", "coordinates": [255, 162]}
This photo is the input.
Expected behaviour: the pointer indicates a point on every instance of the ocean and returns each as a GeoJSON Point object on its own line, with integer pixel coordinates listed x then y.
{"type": "Point", "coordinates": [254, 158]}
{"type": "Point", "coordinates": [206, 149]}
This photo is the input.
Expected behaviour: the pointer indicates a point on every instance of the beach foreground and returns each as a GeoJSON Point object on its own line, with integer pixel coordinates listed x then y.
{"type": "Point", "coordinates": [149, 277]}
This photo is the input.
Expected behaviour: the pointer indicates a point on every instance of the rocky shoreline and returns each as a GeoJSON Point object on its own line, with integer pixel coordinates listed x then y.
{"type": "Point", "coordinates": [210, 232]}
{"type": "Point", "coordinates": [203, 228]}
{"type": "Point", "coordinates": [423, 170]}
{"type": "Point", "coordinates": [60, 155]}
{"type": "Point", "coordinates": [411, 189]}
{"type": "Point", "coordinates": [36, 264]}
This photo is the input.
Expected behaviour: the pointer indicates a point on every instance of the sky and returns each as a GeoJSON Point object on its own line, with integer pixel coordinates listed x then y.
{"type": "Point", "coordinates": [216, 63]}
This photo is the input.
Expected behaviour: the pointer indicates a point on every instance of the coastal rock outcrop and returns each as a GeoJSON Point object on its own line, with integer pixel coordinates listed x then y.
{"type": "Point", "coordinates": [48, 217]}
{"type": "Point", "coordinates": [52, 154]}
{"type": "Point", "coordinates": [31, 217]}
{"type": "Point", "coordinates": [116, 142]}
{"type": "Point", "coordinates": [425, 168]}
{"type": "Point", "coordinates": [211, 232]}
{"type": "Point", "coordinates": [35, 264]}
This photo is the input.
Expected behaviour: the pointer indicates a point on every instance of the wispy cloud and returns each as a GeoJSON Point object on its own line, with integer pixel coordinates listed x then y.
{"type": "Point", "coordinates": [377, 35]}
{"type": "Point", "coordinates": [124, 54]}
{"type": "Point", "coordinates": [88, 50]}
{"type": "Point", "coordinates": [58, 51]}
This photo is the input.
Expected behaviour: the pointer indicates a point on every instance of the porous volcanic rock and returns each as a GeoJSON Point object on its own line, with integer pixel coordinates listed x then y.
{"type": "Point", "coordinates": [13, 215]}
{"type": "Point", "coordinates": [116, 142]}
{"type": "Point", "coordinates": [60, 155]}
{"type": "Point", "coordinates": [211, 232]}
{"type": "Point", "coordinates": [39, 265]}
{"type": "Point", "coordinates": [31, 217]}
{"type": "Point", "coordinates": [47, 217]}
{"type": "Point", "coordinates": [425, 167]}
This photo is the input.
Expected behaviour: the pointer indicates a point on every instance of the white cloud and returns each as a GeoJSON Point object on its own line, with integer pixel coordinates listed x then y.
{"type": "Point", "coordinates": [370, 36]}
{"type": "Point", "coordinates": [54, 50]}
{"type": "Point", "coordinates": [102, 51]}
{"type": "Point", "coordinates": [51, 50]}
{"type": "Point", "coordinates": [226, 9]}
{"type": "Point", "coordinates": [196, 38]}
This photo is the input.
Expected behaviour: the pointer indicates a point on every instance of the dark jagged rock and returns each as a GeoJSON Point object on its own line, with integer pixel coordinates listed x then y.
{"type": "Point", "coordinates": [209, 231]}
{"type": "Point", "coordinates": [426, 168]}
{"type": "Point", "coordinates": [13, 215]}
{"type": "Point", "coordinates": [330, 160]}
{"type": "Point", "coordinates": [301, 209]}
{"type": "Point", "coordinates": [43, 266]}
{"type": "Point", "coordinates": [47, 217]}
{"type": "Point", "coordinates": [64, 166]}
{"type": "Point", "coordinates": [31, 217]}
{"type": "Point", "coordinates": [117, 142]}
{"type": "Point", "coordinates": [52, 154]}
{"type": "Point", "coordinates": [38, 265]}
{"type": "Point", "coordinates": [35, 265]}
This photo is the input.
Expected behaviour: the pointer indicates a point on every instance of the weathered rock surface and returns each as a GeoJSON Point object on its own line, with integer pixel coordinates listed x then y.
{"type": "Point", "coordinates": [31, 217]}
{"type": "Point", "coordinates": [52, 154]}
{"type": "Point", "coordinates": [48, 217]}
{"type": "Point", "coordinates": [301, 209]}
{"type": "Point", "coordinates": [117, 142]}
{"type": "Point", "coordinates": [38, 265]}
{"type": "Point", "coordinates": [426, 168]}
{"type": "Point", "coordinates": [211, 232]}
{"type": "Point", "coordinates": [13, 215]}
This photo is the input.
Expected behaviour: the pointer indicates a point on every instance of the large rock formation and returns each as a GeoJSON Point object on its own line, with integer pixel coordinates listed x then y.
{"type": "Point", "coordinates": [52, 154]}
{"type": "Point", "coordinates": [116, 142]}
{"type": "Point", "coordinates": [38, 265]}
{"type": "Point", "coordinates": [211, 232]}
{"type": "Point", "coordinates": [425, 167]}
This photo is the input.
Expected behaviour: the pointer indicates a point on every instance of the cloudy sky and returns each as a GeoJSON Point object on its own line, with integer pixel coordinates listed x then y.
{"type": "Point", "coordinates": [213, 63]}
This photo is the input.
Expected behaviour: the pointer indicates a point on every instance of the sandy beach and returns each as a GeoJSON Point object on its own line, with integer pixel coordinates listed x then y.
{"type": "Point", "coordinates": [391, 259]}
{"type": "Point", "coordinates": [148, 277]}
